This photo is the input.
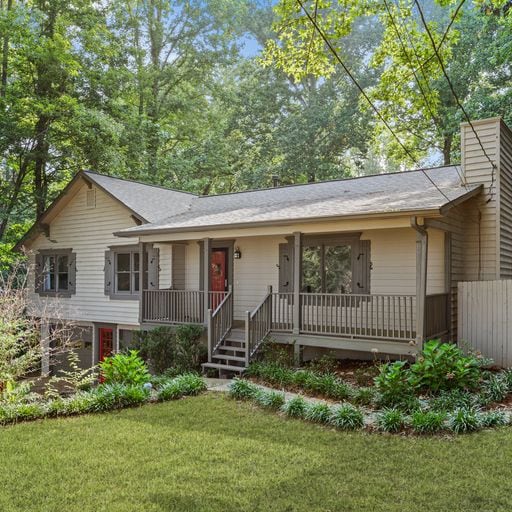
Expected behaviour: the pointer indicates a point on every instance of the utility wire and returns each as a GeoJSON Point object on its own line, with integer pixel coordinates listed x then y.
{"type": "Point", "coordinates": [366, 97]}
{"type": "Point", "coordinates": [457, 100]}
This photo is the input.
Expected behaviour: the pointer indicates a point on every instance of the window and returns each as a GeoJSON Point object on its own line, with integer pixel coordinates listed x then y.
{"type": "Point", "coordinates": [127, 270]}
{"type": "Point", "coordinates": [55, 272]}
{"type": "Point", "coordinates": [327, 268]}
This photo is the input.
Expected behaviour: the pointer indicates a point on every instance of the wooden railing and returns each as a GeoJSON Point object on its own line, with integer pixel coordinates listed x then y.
{"type": "Point", "coordinates": [282, 312]}
{"type": "Point", "coordinates": [257, 325]}
{"type": "Point", "coordinates": [436, 315]}
{"type": "Point", "coordinates": [177, 306]}
{"type": "Point", "coordinates": [220, 322]}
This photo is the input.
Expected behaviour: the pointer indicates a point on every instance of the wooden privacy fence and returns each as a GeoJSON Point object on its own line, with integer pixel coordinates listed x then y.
{"type": "Point", "coordinates": [485, 318]}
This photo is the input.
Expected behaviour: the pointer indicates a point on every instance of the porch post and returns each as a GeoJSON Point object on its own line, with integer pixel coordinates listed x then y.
{"type": "Point", "coordinates": [207, 246]}
{"type": "Point", "coordinates": [142, 273]}
{"type": "Point", "coordinates": [421, 280]}
{"type": "Point", "coordinates": [297, 278]}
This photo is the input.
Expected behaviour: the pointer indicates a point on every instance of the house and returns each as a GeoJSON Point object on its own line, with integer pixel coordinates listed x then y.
{"type": "Point", "coordinates": [361, 265]}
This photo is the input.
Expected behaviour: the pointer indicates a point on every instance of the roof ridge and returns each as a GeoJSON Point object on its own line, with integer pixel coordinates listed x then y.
{"type": "Point", "coordinates": [334, 180]}
{"type": "Point", "coordinates": [128, 180]}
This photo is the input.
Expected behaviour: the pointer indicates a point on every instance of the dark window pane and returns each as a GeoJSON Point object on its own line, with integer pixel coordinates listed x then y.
{"type": "Point", "coordinates": [62, 264]}
{"type": "Point", "coordinates": [123, 282]}
{"type": "Point", "coordinates": [136, 261]}
{"type": "Point", "coordinates": [311, 272]}
{"type": "Point", "coordinates": [338, 269]}
{"type": "Point", "coordinates": [63, 281]}
{"type": "Point", "coordinates": [136, 281]}
{"type": "Point", "coordinates": [123, 262]}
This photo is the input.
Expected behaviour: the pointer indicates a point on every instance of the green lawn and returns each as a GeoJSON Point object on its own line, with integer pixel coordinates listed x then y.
{"type": "Point", "coordinates": [210, 453]}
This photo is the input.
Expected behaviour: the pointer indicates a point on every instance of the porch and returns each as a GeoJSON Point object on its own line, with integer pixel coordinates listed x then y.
{"type": "Point", "coordinates": [224, 289]}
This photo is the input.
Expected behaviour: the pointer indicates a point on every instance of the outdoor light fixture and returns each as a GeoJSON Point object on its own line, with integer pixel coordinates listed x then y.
{"type": "Point", "coordinates": [237, 254]}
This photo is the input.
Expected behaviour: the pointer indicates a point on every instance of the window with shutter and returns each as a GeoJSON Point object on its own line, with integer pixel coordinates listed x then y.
{"type": "Point", "coordinates": [55, 272]}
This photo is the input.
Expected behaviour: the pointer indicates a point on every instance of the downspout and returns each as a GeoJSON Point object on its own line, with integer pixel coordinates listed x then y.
{"type": "Point", "coordinates": [421, 280]}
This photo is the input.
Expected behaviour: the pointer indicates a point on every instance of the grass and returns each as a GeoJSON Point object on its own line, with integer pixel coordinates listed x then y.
{"type": "Point", "coordinates": [211, 453]}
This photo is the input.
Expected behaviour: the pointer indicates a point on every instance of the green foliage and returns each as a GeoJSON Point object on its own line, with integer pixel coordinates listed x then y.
{"type": "Point", "coordinates": [184, 385]}
{"type": "Point", "coordinates": [73, 380]}
{"type": "Point", "coordinates": [124, 369]}
{"type": "Point", "coordinates": [173, 350]}
{"type": "Point", "coordinates": [393, 383]}
{"type": "Point", "coordinates": [428, 422]}
{"type": "Point", "coordinates": [276, 354]}
{"type": "Point", "coordinates": [365, 375]}
{"type": "Point", "coordinates": [495, 388]}
{"type": "Point", "coordinates": [363, 396]}
{"type": "Point", "coordinates": [318, 412]}
{"type": "Point", "coordinates": [463, 420]}
{"type": "Point", "coordinates": [17, 392]}
{"type": "Point", "coordinates": [493, 419]}
{"type": "Point", "coordinates": [116, 396]}
{"type": "Point", "coordinates": [444, 366]}
{"type": "Point", "coordinates": [295, 407]}
{"type": "Point", "coordinates": [325, 364]}
{"type": "Point", "coordinates": [390, 420]}
{"type": "Point", "coordinates": [242, 389]}
{"type": "Point", "coordinates": [347, 417]}
{"type": "Point", "coordinates": [270, 399]}
{"type": "Point", "coordinates": [454, 399]}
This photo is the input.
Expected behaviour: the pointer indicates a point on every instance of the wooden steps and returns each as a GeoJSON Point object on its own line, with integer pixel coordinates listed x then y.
{"type": "Point", "coordinates": [230, 356]}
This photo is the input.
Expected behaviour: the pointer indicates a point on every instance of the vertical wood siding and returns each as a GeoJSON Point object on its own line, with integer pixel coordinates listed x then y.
{"type": "Point", "coordinates": [485, 322]}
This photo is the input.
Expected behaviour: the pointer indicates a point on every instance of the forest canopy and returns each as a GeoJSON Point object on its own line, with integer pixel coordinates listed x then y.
{"type": "Point", "coordinates": [221, 95]}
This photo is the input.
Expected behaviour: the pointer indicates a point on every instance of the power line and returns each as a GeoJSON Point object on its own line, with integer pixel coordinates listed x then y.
{"type": "Point", "coordinates": [366, 97]}
{"type": "Point", "coordinates": [457, 100]}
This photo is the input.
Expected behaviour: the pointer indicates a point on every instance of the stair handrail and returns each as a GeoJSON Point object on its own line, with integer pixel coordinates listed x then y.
{"type": "Point", "coordinates": [258, 324]}
{"type": "Point", "coordinates": [220, 323]}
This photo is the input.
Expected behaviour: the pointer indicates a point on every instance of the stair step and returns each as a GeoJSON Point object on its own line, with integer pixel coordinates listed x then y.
{"type": "Point", "coordinates": [240, 343]}
{"type": "Point", "coordinates": [231, 348]}
{"type": "Point", "coordinates": [219, 366]}
{"type": "Point", "coordinates": [228, 357]}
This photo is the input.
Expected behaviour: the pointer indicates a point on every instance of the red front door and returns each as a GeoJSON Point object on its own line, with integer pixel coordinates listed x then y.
{"type": "Point", "coordinates": [106, 335]}
{"type": "Point", "coordinates": [218, 275]}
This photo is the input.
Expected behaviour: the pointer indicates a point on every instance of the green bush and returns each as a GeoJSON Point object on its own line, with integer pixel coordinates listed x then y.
{"type": "Point", "coordinates": [295, 407]}
{"type": "Point", "coordinates": [184, 385]}
{"type": "Point", "coordinates": [347, 417]}
{"type": "Point", "coordinates": [318, 412]}
{"type": "Point", "coordinates": [124, 369]}
{"type": "Point", "coordinates": [242, 389]}
{"type": "Point", "coordinates": [156, 346]}
{"type": "Point", "coordinates": [444, 366]}
{"type": "Point", "coordinates": [493, 419]}
{"type": "Point", "coordinates": [270, 399]}
{"type": "Point", "coordinates": [495, 388]}
{"type": "Point", "coordinates": [454, 399]}
{"type": "Point", "coordinates": [271, 352]}
{"type": "Point", "coordinates": [363, 396]}
{"type": "Point", "coordinates": [390, 420]}
{"type": "Point", "coordinates": [428, 422]}
{"type": "Point", "coordinates": [462, 420]}
{"type": "Point", "coordinates": [393, 383]}
{"type": "Point", "coordinates": [116, 396]}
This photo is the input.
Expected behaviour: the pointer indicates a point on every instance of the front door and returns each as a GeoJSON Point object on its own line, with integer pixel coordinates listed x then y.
{"type": "Point", "coordinates": [106, 345]}
{"type": "Point", "coordinates": [218, 275]}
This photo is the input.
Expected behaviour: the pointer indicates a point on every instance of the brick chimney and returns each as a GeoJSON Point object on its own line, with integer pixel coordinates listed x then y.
{"type": "Point", "coordinates": [494, 243]}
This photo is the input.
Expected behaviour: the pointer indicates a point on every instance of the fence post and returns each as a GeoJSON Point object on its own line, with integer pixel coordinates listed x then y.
{"type": "Point", "coordinates": [210, 334]}
{"type": "Point", "coordinates": [247, 337]}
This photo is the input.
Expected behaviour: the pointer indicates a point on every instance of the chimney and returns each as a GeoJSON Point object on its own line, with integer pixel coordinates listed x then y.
{"type": "Point", "coordinates": [276, 181]}
{"type": "Point", "coordinates": [486, 158]}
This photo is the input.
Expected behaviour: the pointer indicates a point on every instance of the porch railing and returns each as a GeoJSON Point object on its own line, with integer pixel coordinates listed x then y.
{"type": "Point", "coordinates": [178, 306]}
{"type": "Point", "coordinates": [436, 315]}
{"type": "Point", "coordinates": [257, 325]}
{"type": "Point", "coordinates": [220, 322]}
{"type": "Point", "coordinates": [356, 316]}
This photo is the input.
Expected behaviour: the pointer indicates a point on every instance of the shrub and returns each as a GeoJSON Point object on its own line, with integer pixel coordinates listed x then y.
{"type": "Point", "coordinates": [454, 399]}
{"type": "Point", "coordinates": [428, 422]}
{"type": "Point", "coordinates": [272, 352]}
{"type": "Point", "coordinates": [493, 419]}
{"type": "Point", "coordinates": [393, 383]}
{"type": "Point", "coordinates": [80, 403]}
{"type": "Point", "coordinates": [56, 407]}
{"type": "Point", "coordinates": [318, 412]}
{"type": "Point", "coordinates": [390, 420]}
{"type": "Point", "coordinates": [363, 396]}
{"type": "Point", "coordinates": [183, 385]}
{"type": "Point", "coordinates": [463, 420]}
{"type": "Point", "coordinates": [295, 407]}
{"type": "Point", "coordinates": [242, 389]}
{"type": "Point", "coordinates": [365, 375]}
{"type": "Point", "coordinates": [157, 347]}
{"type": "Point", "coordinates": [347, 417]}
{"type": "Point", "coordinates": [73, 380]}
{"type": "Point", "coordinates": [189, 351]}
{"type": "Point", "coordinates": [495, 388]}
{"type": "Point", "coordinates": [270, 399]}
{"type": "Point", "coordinates": [124, 369]}
{"type": "Point", "coordinates": [272, 373]}
{"type": "Point", "coordinates": [116, 396]}
{"type": "Point", "coordinates": [444, 366]}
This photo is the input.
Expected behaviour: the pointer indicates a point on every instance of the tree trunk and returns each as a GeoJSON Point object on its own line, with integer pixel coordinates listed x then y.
{"type": "Point", "coordinates": [18, 183]}
{"type": "Point", "coordinates": [447, 149]}
{"type": "Point", "coordinates": [40, 158]}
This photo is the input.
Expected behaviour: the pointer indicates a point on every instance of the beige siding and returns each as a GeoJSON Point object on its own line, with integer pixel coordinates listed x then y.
{"type": "Point", "coordinates": [505, 202]}
{"type": "Point", "coordinates": [165, 263]}
{"type": "Point", "coordinates": [192, 266]}
{"type": "Point", "coordinates": [88, 231]}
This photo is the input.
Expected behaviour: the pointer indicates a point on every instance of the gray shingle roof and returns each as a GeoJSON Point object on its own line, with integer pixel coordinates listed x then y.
{"type": "Point", "coordinates": [377, 194]}
{"type": "Point", "coordinates": [150, 202]}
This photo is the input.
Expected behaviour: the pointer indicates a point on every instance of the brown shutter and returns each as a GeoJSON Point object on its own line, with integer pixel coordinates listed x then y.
{"type": "Point", "coordinates": [363, 268]}
{"type": "Point", "coordinates": [153, 268]}
{"type": "Point", "coordinates": [285, 268]}
{"type": "Point", "coordinates": [38, 273]}
{"type": "Point", "coordinates": [72, 273]}
{"type": "Point", "coordinates": [109, 273]}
